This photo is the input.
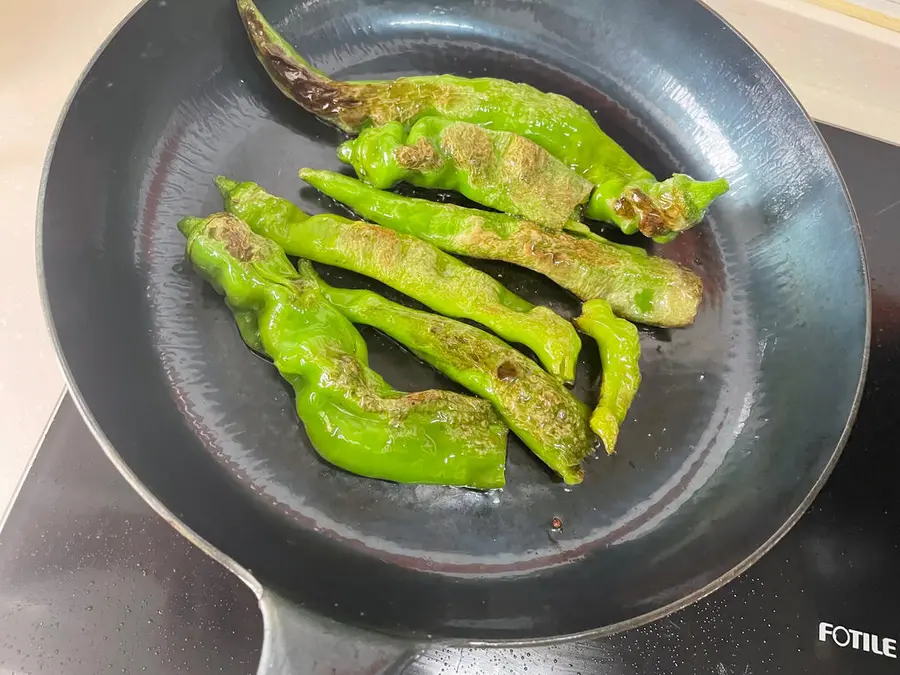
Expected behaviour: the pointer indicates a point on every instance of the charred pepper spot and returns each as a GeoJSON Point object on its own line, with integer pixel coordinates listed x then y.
{"type": "Point", "coordinates": [386, 246]}
{"type": "Point", "coordinates": [402, 100]}
{"type": "Point", "coordinates": [254, 26]}
{"type": "Point", "coordinates": [655, 218]}
{"type": "Point", "coordinates": [320, 95]}
{"type": "Point", "coordinates": [237, 239]}
{"type": "Point", "coordinates": [420, 156]}
{"type": "Point", "coordinates": [623, 208]}
{"type": "Point", "coordinates": [353, 106]}
{"type": "Point", "coordinates": [640, 200]}
{"type": "Point", "coordinates": [470, 146]}
{"type": "Point", "coordinates": [540, 186]}
{"type": "Point", "coordinates": [424, 396]}
{"type": "Point", "coordinates": [652, 224]}
{"type": "Point", "coordinates": [507, 371]}
{"type": "Point", "coordinates": [524, 159]}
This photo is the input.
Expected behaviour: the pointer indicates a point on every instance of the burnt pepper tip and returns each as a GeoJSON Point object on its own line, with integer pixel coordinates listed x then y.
{"type": "Point", "coordinates": [189, 224]}
{"type": "Point", "coordinates": [225, 185]}
{"type": "Point", "coordinates": [246, 6]}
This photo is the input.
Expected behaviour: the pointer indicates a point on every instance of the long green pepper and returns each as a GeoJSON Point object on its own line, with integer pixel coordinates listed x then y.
{"type": "Point", "coordinates": [497, 169]}
{"type": "Point", "coordinates": [639, 287]}
{"type": "Point", "coordinates": [620, 354]}
{"type": "Point", "coordinates": [539, 410]}
{"type": "Point", "coordinates": [625, 193]}
{"type": "Point", "coordinates": [353, 418]}
{"type": "Point", "coordinates": [411, 266]}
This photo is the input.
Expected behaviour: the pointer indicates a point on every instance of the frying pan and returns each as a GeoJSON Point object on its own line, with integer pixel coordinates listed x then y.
{"type": "Point", "coordinates": [739, 420]}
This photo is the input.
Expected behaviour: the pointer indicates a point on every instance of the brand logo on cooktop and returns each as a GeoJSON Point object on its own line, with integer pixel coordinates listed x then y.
{"type": "Point", "coordinates": [857, 639]}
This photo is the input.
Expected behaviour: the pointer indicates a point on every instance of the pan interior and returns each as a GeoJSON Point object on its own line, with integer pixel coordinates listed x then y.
{"type": "Point", "coordinates": [738, 415]}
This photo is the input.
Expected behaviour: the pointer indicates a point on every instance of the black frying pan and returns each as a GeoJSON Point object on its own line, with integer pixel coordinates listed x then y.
{"type": "Point", "coordinates": [739, 420]}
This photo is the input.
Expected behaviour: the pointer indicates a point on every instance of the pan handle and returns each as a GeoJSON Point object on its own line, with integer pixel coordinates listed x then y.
{"type": "Point", "coordinates": [296, 642]}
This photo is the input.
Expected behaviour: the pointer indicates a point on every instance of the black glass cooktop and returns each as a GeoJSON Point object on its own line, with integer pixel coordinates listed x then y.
{"type": "Point", "coordinates": [92, 581]}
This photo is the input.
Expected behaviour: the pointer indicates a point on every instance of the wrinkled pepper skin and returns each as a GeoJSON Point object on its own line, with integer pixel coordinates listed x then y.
{"type": "Point", "coordinates": [497, 169]}
{"type": "Point", "coordinates": [659, 210]}
{"type": "Point", "coordinates": [626, 194]}
{"type": "Point", "coordinates": [620, 354]}
{"type": "Point", "coordinates": [353, 418]}
{"type": "Point", "coordinates": [411, 266]}
{"type": "Point", "coordinates": [539, 410]}
{"type": "Point", "coordinates": [638, 286]}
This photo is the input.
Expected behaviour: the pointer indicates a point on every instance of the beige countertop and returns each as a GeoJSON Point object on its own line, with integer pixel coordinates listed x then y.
{"type": "Point", "coordinates": [844, 69]}
{"type": "Point", "coordinates": [39, 63]}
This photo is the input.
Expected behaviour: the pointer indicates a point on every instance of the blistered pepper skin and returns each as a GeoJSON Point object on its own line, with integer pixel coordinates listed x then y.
{"type": "Point", "coordinates": [539, 410]}
{"type": "Point", "coordinates": [353, 418]}
{"type": "Point", "coordinates": [659, 210]}
{"type": "Point", "coordinates": [620, 354]}
{"type": "Point", "coordinates": [642, 288]}
{"type": "Point", "coordinates": [626, 193]}
{"type": "Point", "coordinates": [497, 169]}
{"type": "Point", "coordinates": [411, 266]}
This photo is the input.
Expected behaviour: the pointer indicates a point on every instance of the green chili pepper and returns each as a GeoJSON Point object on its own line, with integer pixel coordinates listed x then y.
{"type": "Point", "coordinates": [498, 169]}
{"type": "Point", "coordinates": [639, 287]}
{"type": "Point", "coordinates": [626, 194]}
{"type": "Point", "coordinates": [411, 266]}
{"type": "Point", "coordinates": [620, 353]}
{"type": "Point", "coordinates": [659, 210]}
{"type": "Point", "coordinates": [548, 419]}
{"type": "Point", "coordinates": [354, 419]}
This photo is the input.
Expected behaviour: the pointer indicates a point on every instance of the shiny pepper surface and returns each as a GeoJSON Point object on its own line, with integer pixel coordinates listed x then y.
{"type": "Point", "coordinates": [498, 169]}
{"type": "Point", "coordinates": [353, 418]}
{"type": "Point", "coordinates": [620, 354]}
{"type": "Point", "coordinates": [411, 266]}
{"type": "Point", "coordinates": [638, 286]}
{"type": "Point", "coordinates": [539, 410]}
{"type": "Point", "coordinates": [625, 193]}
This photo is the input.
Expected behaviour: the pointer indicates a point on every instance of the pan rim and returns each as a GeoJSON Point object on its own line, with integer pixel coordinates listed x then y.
{"type": "Point", "coordinates": [259, 589]}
